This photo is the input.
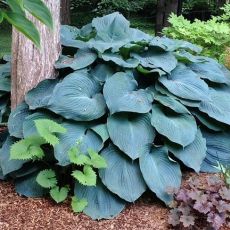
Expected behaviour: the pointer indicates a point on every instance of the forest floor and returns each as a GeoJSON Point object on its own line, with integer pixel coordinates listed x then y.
{"type": "Point", "coordinates": [19, 213]}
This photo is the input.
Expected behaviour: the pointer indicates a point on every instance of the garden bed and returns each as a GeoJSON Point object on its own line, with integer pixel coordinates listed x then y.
{"type": "Point", "coordinates": [24, 213]}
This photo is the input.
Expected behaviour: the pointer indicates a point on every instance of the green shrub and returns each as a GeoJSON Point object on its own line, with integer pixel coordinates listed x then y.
{"type": "Point", "coordinates": [147, 105]}
{"type": "Point", "coordinates": [213, 35]}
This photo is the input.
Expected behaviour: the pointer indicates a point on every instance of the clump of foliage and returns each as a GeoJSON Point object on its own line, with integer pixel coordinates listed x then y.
{"type": "Point", "coordinates": [212, 35]}
{"type": "Point", "coordinates": [15, 13]}
{"type": "Point", "coordinates": [146, 105]}
{"type": "Point", "coordinates": [206, 202]}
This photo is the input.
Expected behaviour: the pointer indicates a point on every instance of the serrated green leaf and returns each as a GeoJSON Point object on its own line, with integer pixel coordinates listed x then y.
{"type": "Point", "coordinates": [76, 157]}
{"type": "Point", "coordinates": [87, 177]}
{"type": "Point", "coordinates": [59, 194]}
{"type": "Point", "coordinates": [97, 161]}
{"type": "Point", "coordinates": [47, 178]}
{"type": "Point", "coordinates": [47, 129]}
{"type": "Point", "coordinates": [27, 149]}
{"type": "Point", "coordinates": [78, 205]}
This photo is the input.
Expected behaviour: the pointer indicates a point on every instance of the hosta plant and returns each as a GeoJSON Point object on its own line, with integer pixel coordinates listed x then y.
{"type": "Point", "coordinates": [206, 202]}
{"type": "Point", "coordinates": [147, 105]}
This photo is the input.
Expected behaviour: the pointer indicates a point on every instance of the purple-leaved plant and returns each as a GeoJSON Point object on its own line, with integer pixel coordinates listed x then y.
{"type": "Point", "coordinates": [207, 203]}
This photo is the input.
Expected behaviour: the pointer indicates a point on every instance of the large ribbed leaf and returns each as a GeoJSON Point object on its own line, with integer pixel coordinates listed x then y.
{"type": "Point", "coordinates": [118, 59]}
{"type": "Point", "coordinates": [210, 70]}
{"type": "Point", "coordinates": [28, 186]}
{"type": "Point", "coordinates": [178, 128]}
{"type": "Point", "coordinates": [186, 57]}
{"type": "Point", "coordinates": [5, 70]}
{"type": "Point", "coordinates": [157, 59]}
{"type": "Point", "coordinates": [112, 32]}
{"type": "Point", "coordinates": [39, 97]}
{"type": "Point", "coordinates": [186, 102]}
{"type": "Point", "coordinates": [102, 131]}
{"type": "Point", "coordinates": [102, 204]}
{"type": "Point", "coordinates": [122, 176]}
{"type": "Point", "coordinates": [209, 122]}
{"type": "Point", "coordinates": [78, 97]}
{"type": "Point", "coordinates": [16, 119]}
{"type": "Point", "coordinates": [69, 35]}
{"type": "Point", "coordinates": [76, 131]}
{"type": "Point", "coordinates": [171, 103]}
{"type": "Point", "coordinates": [6, 164]}
{"type": "Point", "coordinates": [132, 133]}
{"type": "Point", "coordinates": [160, 172]}
{"type": "Point", "coordinates": [218, 106]}
{"type": "Point", "coordinates": [82, 59]}
{"type": "Point", "coordinates": [186, 84]}
{"type": "Point", "coordinates": [102, 72]}
{"type": "Point", "coordinates": [218, 150]}
{"type": "Point", "coordinates": [191, 155]}
{"type": "Point", "coordinates": [121, 95]}
{"type": "Point", "coordinates": [5, 84]}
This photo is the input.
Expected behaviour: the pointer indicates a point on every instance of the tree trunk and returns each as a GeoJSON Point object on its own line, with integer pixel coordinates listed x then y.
{"type": "Point", "coordinates": [164, 9]}
{"type": "Point", "coordinates": [31, 65]}
{"type": "Point", "coordinates": [65, 12]}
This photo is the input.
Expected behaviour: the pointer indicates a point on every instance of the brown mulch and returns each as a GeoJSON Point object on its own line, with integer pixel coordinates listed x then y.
{"type": "Point", "coordinates": [19, 213]}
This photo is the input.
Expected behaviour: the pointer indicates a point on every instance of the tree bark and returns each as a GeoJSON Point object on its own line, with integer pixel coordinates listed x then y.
{"type": "Point", "coordinates": [65, 12]}
{"type": "Point", "coordinates": [164, 9]}
{"type": "Point", "coordinates": [31, 65]}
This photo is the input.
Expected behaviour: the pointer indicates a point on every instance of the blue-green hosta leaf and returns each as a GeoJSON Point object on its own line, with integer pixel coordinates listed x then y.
{"type": "Point", "coordinates": [171, 103]}
{"type": "Point", "coordinates": [82, 59]}
{"type": "Point", "coordinates": [102, 204]}
{"type": "Point", "coordinates": [16, 119]}
{"type": "Point", "coordinates": [186, 84]}
{"type": "Point", "coordinates": [174, 44]}
{"type": "Point", "coordinates": [39, 96]}
{"type": "Point", "coordinates": [132, 133]}
{"type": "Point", "coordinates": [160, 172]}
{"type": "Point", "coordinates": [193, 154]}
{"type": "Point", "coordinates": [5, 84]}
{"type": "Point", "coordinates": [121, 95]}
{"type": "Point", "coordinates": [154, 58]}
{"type": "Point", "coordinates": [112, 32]}
{"type": "Point", "coordinates": [5, 70]}
{"type": "Point", "coordinates": [122, 175]}
{"type": "Point", "coordinates": [6, 164]}
{"type": "Point", "coordinates": [78, 97]}
{"type": "Point", "coordinates": [76, 131]}
{"type": "Point", "coordinates": [218, 106]}
{"type": "Point", "coordinates": [139, 36]}
{"type": "Point", "coordinates": [29, 128]}
{"type": "Point", "coordinates": [118, 59]}
{"type": "Point", "coordinates": [69, 35]}
{"type": "Point", "coordinates": [210, 70]}
{"type": "Point", "coordinates": [28, 186]}
{"type": "Point", "coordinates": [186, 102]}
{"type": "Point", "coordinates": [186, 57]}
{"type": "Point", "coordinates": [102, 131]}
{"type": "Point", "coordinates": [178, 128]}
{"type": "Point", "coordinates": [102, 72]}
{"type": "Point", "coordinates": [218, 150]}
{"type": "Point", "coordinates": [209, 122]}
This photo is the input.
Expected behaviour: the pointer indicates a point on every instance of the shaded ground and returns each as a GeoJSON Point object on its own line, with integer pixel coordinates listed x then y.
{"type": "Point", "coordinates": [18, 213]}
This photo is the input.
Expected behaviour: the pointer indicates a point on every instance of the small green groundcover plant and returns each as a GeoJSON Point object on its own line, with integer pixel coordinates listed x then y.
{"type": "Point", "coordinates": [202, 202]}
{"type": "Point", "coordinates": [212, 35]}
{"type": "Point", "coordinates": [128, 109]}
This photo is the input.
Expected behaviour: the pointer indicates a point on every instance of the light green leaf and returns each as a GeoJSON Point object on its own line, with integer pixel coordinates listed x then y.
{"type": "Point", "coordinates": [59, 194]}
{"type": "Point", "coordinates": [97, 161]}
{"type": "Point", "coordinates": [87, 177]}
{"type": "Point", "coordinates": [78, 205]}
{"type": "Point", "coordinates": [47, 178]}
{"type": "Point", "coordinates": [76, 157]}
